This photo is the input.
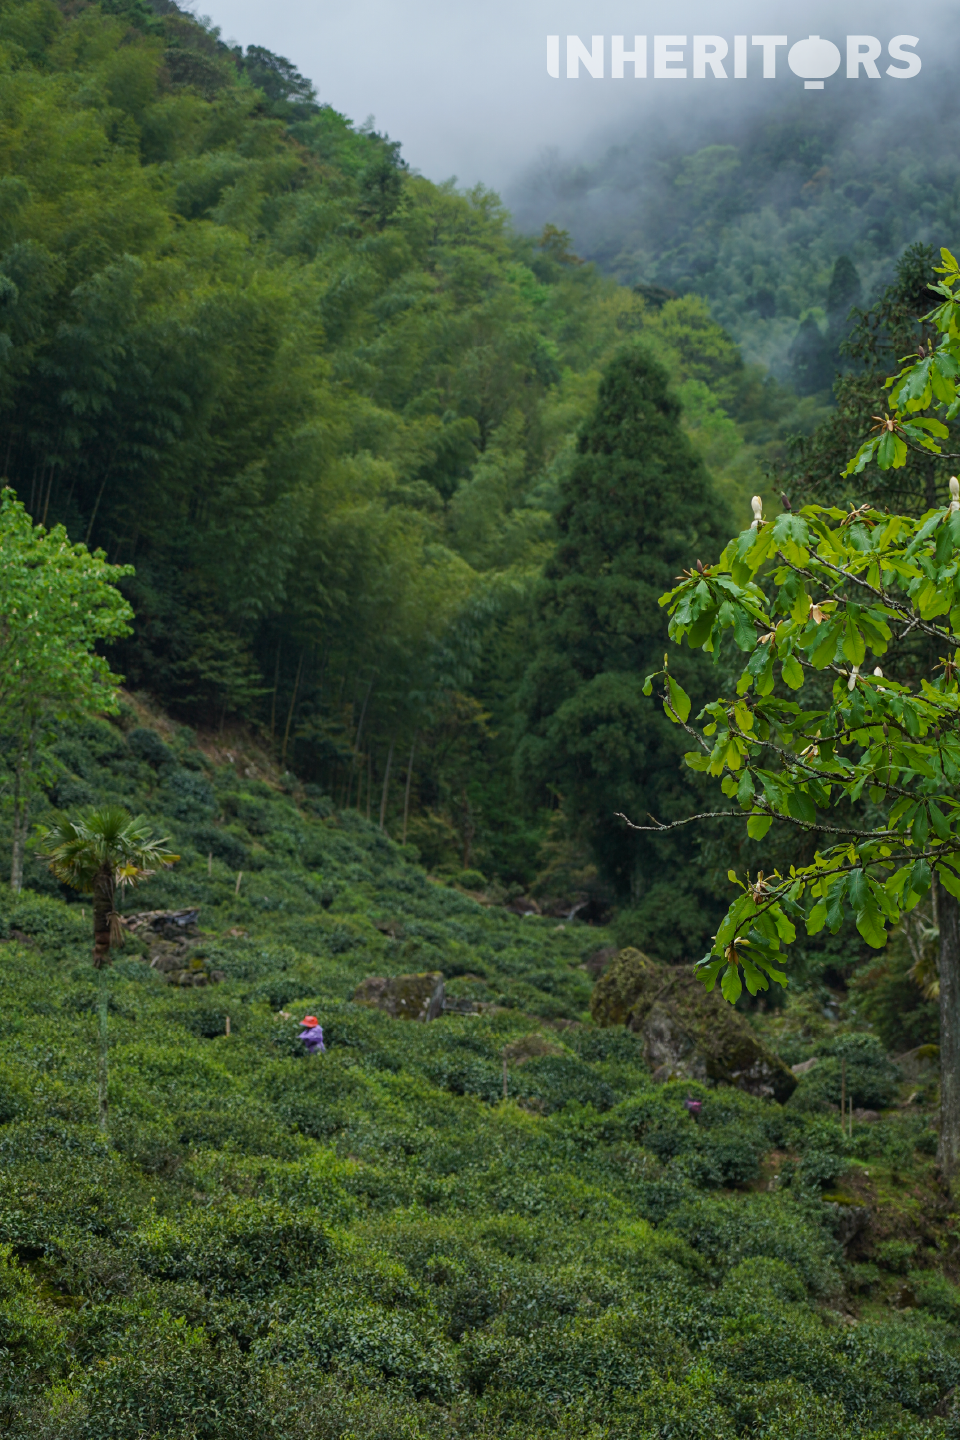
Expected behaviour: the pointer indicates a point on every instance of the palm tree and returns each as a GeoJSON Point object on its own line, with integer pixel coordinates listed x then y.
{"type": "Point", "coordinates": [105, 848]}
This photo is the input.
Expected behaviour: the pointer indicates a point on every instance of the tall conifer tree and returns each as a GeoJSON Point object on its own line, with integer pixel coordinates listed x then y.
{"type": "Point", "coordinates": [638, 507]}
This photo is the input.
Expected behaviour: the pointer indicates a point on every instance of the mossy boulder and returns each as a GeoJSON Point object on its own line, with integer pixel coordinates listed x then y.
{"type": "Point", "coordinates": [405, 997]}
{"type": "Point", "coordinates": [687, 1032]}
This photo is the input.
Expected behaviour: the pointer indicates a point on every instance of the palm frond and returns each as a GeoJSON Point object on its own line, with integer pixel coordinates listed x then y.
{"type": "Point", "coordinates": [107, 835]}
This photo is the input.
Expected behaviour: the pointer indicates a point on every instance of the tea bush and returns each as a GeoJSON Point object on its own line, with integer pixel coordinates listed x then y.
{"type": "Point", "coordinates": [372, 1244]}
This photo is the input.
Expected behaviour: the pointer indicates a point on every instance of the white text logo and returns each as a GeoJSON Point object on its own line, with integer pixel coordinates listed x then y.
{"type": "Point", "coordinates": [679, 57]}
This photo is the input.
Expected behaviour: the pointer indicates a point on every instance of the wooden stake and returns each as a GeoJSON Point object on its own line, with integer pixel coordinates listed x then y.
{"type": "Point", "coordinates": [504, 1077]}
{"type": "Point", "coordinates": [226, 1028]}
{"type": "Point", "coordinates": [843, 1091]}
{"type": "Point", "coordinates": [209, 862]}
{"type": "Point", "coordinates": [851, 1115]}
{"type": "Point", "coordinates": [237, 887]}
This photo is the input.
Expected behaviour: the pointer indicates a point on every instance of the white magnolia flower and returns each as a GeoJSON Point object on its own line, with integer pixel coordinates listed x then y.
{"type": "Point", "coordinates": [757, 506]}
{"type": "Point", "coordinates": [954, 493]}
{"type": "Point", "coordinates": [879, 673]}
{"type": "Point", "coordinates": [854, 677]}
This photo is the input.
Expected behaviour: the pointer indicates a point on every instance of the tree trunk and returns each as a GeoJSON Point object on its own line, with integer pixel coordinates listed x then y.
{"type": "Point", "coordinates": [948, 1152]}
{"type": "Point", "coordinates": [293, 704]}
{"type": "Point", "coordinates": [102, 1066]}
{"type": "Point", "coordinates": [20, 816]}
{"type": "Point", "coordinates": [356, 747]}
{"type": "Point", "coordinates": [273, 702]}
{"type": "Point", "coordinates": [386, 784]}
{"type": "Point", "coordinates": [406, 793]}
{"type": "Point", "coordinates": [22, 784]}
{"type": "Point", "coordinates": [469, 830]}
{"type": "Point", "coordinates": [103, 883]}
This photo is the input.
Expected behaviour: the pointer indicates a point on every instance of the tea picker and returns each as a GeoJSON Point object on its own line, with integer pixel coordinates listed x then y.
{"type": "Point", "coordinates": [311, 1033]}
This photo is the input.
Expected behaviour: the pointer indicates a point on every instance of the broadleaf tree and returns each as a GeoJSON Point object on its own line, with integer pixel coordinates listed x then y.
{"type": "Point", "coordinates": [845, 720]}
{"type": "Point", "coordinates": [57, 600]}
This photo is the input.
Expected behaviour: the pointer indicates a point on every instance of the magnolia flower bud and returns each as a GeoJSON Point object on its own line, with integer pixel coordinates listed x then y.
{"type": "Point", "coordinates": [854, 677]}
{"type": "Point", "coordinates": [879, 673]}
{"type": "Point", "coordinates": [954, 493]}
{"type": "Point", "coordinates": [757, 507]}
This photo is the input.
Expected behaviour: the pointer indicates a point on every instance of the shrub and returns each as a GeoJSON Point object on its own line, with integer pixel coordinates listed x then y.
{"type": "Point", "coordinates": [937, 1294]}
{"type": "Point", "coordinates": [341, 1334]}
{"type": "Point", "coordinates": [871, 1077]}
{"type": "Point", "coordinates": [241, 1248]}
{"type": "Point", "coordinates": [895, 1255]}
{"type": "Point", "coordinates": [147, 745]}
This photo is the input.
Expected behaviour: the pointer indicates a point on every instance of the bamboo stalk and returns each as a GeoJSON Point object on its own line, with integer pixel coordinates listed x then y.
{"type": "Point", "coordinates": [293, 702]}
{"type": "Point", "coordinates": [273, 702]}
{"type": "Point", "coordinates": [406, 793]}
{"type": "Point", "coordinates": [386, 782]}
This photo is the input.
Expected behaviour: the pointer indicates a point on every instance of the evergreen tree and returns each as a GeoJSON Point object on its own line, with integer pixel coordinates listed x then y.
{"type": "Point", "coordinates": [638, 506]}
{"type": "Point", "coordinates": [876, 341]}
{"type": "Point", "coordinates": [844, 293]}
{"type": "Point", "coordinates": [816, 358]}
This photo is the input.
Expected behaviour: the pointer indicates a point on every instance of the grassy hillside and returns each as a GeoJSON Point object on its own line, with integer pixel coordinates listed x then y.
{"type": "Point", "coordinates": [372, 1243]}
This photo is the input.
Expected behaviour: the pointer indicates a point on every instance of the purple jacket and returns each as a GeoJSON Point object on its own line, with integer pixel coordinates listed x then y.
{"type": "Point", "coordinates": [313, 1039]}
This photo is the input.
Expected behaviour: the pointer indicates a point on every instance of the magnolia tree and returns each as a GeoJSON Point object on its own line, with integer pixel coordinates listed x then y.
{"type": "Point", "coordinates": [845, 721]}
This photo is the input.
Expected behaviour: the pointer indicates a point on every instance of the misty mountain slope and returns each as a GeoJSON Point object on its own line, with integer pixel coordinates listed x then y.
{"type": "Point", "coordinates": [753, 214]}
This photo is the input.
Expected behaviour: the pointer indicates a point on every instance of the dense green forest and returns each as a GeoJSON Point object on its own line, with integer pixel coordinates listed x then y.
{"type": "Point", "coordinates": [381, 486]}
{"type": "Point", "coordinates": [323, 406]}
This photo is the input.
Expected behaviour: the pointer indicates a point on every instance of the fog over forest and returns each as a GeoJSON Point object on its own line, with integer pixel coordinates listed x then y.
{"type": "Point", "coordinates": [739, 191]}
{"type": "Point", "coordinates": [471, 97]}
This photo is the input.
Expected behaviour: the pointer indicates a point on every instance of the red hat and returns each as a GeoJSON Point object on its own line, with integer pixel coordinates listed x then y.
{"type": "Point", "coordinates": [310, 1020]}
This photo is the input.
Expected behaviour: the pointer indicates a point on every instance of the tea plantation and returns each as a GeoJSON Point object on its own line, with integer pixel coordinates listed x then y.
{"type": "Point", "coordinates": [372, 1242]}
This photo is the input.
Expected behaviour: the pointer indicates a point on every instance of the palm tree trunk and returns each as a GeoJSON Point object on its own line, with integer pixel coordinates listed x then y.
{"type": "Point", "coordinates": [102, 910]}
{"type": "Point", "coordinates": [948, 1150]}
{"type": "Point", "coordinates": [102, 1067]}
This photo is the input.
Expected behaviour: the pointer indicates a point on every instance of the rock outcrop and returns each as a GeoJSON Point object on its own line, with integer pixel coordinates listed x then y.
{"type": "Point", "coordinates": [406, 997]}
{"type": "Point", "coordinates": [688, 1032]}
{"type": "Point", "coordinates": [175, 949]}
